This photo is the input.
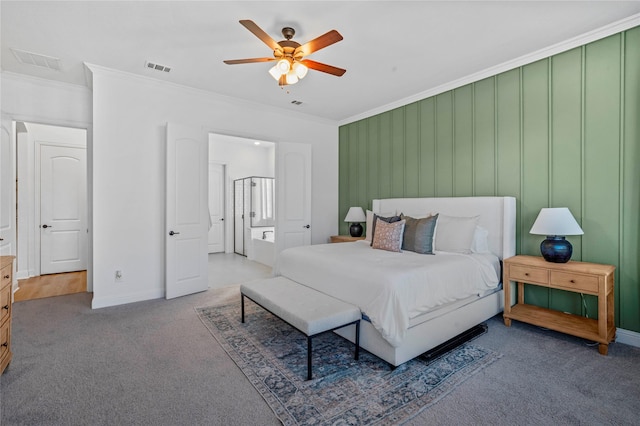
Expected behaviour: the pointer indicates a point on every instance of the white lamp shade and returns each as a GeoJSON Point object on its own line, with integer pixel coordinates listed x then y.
{"type": "Point", "coordinates": [292, 77]}
{"type": "Point", "coordinates": [275, 72]}
{"type": "Point", "coordinates": [283, 66]}
{"type": "Point", "coordinates": [556, 221]}
{"type": "Point", "coordinates": [355, 214]}
{"type": "Point", "coordinates": [300, 69]}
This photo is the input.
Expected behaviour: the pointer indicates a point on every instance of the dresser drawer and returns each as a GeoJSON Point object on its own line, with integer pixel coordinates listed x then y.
{"type": "Point", "coordinates": [5, 276]}
{"type": "Point", "coordinates": [5, 303]}
{"type": "Point", "coordinates": [575, 282]}
{"type": "Point", "coordinates": [529, 274]}
{"type": "Point", "coordinates": [5, 342]}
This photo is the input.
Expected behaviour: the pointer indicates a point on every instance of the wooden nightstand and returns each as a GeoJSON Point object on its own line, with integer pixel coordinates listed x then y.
{"type": "Point", "coordinates": [577, 277]}
{"type": "Point", "coordinates": [344, 238]}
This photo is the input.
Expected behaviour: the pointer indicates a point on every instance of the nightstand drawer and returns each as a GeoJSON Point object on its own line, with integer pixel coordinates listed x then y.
{"type": "Point", "coordinates": [528, 274]}
{"type": "Point", "coordinates": [575, 282]}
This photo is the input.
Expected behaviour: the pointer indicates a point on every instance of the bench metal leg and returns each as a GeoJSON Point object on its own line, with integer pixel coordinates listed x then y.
{"type": "Point", "coordinates": [309, 375]}
{"type": "Point", "coordinates": [357, 356]}
{"type": "Point", "coordinates": [242, 306]}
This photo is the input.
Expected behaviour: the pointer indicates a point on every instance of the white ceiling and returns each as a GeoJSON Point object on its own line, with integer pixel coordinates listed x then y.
{"type": "Point", "coordinates": [392, 50]}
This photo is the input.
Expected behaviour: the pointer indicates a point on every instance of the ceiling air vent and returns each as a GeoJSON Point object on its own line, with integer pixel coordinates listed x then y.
{"type": "Point", "coordinates": [37, 59]}
{"type": "Point", "coordinates": [296, 102]}
{"type": "Point", "coordinates": [157, 67]}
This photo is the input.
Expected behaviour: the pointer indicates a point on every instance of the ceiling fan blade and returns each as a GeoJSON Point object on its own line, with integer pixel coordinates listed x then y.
{"type": "Point", "coordinates": [318, 66]}
{"type": "Point", "coordinates": [258, 32]}
{"type": "Point", "coordinates": [318, 43]}
{"type": "Point", "coordinates": [247, 61]}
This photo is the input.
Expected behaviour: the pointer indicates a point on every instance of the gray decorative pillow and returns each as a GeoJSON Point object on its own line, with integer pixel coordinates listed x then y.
{"type": "Point", "coordinates": [390, 219]}
{"type": "Point", "coordinates": [418, 234]}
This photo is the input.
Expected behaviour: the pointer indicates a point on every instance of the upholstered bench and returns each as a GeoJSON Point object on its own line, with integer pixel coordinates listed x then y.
{"type": "Point", "coordinates": [304, 308]}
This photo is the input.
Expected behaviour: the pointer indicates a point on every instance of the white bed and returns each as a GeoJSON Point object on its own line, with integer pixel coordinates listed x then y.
{"type": "Point", "coordinates": [406, 316]}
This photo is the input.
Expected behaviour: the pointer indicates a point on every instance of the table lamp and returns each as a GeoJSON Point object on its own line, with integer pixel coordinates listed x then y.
{"type": "Point", "coordinates": [556, 223]}
{"type": "Point", "coordinates": [355, 215]}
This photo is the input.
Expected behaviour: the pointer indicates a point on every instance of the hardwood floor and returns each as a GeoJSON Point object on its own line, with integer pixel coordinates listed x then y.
{"type": "Point", "coordinates": [51, 285]}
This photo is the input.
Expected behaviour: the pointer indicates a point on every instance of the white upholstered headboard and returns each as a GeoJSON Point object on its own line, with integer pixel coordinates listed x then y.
{"type": "Point", "coordinates": [496, 214]}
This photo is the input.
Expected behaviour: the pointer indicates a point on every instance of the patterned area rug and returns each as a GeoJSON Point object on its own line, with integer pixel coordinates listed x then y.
{"type": "Point", "coordinates": [273, 356]}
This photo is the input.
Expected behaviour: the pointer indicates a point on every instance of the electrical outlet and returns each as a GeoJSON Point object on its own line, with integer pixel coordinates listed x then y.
{"type": "Point", "coordinates": [118, 275]}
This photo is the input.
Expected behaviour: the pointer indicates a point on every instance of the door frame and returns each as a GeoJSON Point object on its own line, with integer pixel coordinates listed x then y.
{"type": "Point", "coordinates": [88, 128]}
{"type": "Point", "coordinates": [224, 199]}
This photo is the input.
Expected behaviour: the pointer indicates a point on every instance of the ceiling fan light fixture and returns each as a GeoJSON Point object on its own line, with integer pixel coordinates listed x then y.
{"type": "Point", "coordinates": [275, 72]}
{"type": "Point", "coordinates": [300, 70]}
{"type": "Point", "coordinates": [283, 66]}
{"type": "Point", "coordinates": [292, 78]}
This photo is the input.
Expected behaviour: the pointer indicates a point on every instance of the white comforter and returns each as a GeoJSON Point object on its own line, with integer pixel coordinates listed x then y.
{"type": "Point", "coordinates": [390, 288]}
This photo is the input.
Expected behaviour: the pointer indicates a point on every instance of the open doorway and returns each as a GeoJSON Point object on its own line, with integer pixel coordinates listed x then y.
{"type": "Point", "coordinates": [51, 194]}
{"type": "Point", "coordinates": [236, 158]}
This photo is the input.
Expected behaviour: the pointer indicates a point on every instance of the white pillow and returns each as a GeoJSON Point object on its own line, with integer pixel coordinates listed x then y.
{"type": "Point", "coordinates": [480, 242]}
{"type": "Point", "coordinates": [369, 228]}
{"type": "Point", "coordinates": [455, 234]}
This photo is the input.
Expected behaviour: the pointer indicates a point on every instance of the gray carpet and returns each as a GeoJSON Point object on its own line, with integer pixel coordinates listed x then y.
{"type": "Point", "coordinates": [153, 363]}
{"type": "Point", "coordinates": [273, 356]}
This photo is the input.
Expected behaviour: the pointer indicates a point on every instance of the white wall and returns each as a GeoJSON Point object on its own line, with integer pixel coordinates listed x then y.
{"type": "Point", "coordinates": [126, 161]}
{"type": "Point", "coordinates": [129, 118]}
{"type": "Point", "coordinates": [42, 101]}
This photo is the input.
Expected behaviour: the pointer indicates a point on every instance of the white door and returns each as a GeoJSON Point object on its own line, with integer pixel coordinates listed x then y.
{"type": "Point", "coordinates": [216, 208]}
{"type": "Point", "coordinates": [187, 217]}
{"type": "Point", "coordinates": [293, 195]}
{"type": "Point", "coordinates": [7, 190]}
{"type": "Point", "coordinates": [63, 223]}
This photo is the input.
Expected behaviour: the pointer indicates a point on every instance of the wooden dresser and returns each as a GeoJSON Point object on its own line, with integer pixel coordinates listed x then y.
{"type": "Point", "coordinates": [6, 267]}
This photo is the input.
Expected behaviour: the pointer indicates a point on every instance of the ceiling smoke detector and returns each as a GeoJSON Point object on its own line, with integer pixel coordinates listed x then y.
{"type": "Point", "coordinates": [37, 59]}
{"type": "Point", "coordinates": [157, 67]}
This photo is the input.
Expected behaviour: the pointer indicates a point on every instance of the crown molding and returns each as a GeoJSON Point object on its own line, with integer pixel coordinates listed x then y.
{"type": "Point", "coordinates": [124, 75]}
{"type": "Point", "coordinates": [591, 36]}
{"type": "Point", "coordinates": [44, 82]}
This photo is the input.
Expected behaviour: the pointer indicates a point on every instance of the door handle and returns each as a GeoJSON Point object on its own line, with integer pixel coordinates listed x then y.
{"type": "Point", "coordinates": [222, 218]}
{"type": "Point", "coordinates": [45, 226]}
{"type": "Point", "coordinates": [173, 233]}
{"type": "Point", "coordinates": [307, 226]}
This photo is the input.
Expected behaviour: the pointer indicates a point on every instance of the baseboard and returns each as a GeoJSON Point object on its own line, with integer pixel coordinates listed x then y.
{"type": "Point", "coordinates": [104, 302]}
{"type": "Point", "coordinates": [628, 337]}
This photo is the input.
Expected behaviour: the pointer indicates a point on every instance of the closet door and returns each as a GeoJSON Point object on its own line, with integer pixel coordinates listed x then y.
{"type": "Point", "coordinates": [187, 211]}
{"type": "Point", "coordinates": [293, 195]}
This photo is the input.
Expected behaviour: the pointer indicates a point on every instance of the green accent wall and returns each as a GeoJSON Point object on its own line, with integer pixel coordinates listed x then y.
{"type": "Point", "coordinates": [561, 132]}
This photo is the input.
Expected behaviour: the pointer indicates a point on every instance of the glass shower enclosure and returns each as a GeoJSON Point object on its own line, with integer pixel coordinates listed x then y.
{"type": "Point", "coordinates": [253, 208]}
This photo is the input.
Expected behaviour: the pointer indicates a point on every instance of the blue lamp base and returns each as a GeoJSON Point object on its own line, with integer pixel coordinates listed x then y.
{"type": "Point", "coordinates": [556, 249]}
{"type": "Point", "coordinates": [355, 229]}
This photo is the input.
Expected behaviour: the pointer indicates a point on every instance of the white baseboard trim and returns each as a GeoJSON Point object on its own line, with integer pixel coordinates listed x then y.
{"type": "Point", "coordinates": [104, 302]}
{"type": "Point", "coordinates": [628, 337]}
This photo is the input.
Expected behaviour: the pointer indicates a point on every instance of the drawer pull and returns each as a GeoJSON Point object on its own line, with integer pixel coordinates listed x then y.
{"type": "Point", "coordinates": [6, 277]}
{"type": "Point", "coordinates": [572, 281]}
{"type": "Point", "coordinates": [6, 307]}
{"type": "Point", "coordinates": [5, 344]}
{"type": "Point", "coordinates": [526, 274]}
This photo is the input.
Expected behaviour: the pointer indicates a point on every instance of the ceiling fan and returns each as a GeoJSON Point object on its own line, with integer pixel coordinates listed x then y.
{"type": "Point", "coordinates": [289, 55]}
